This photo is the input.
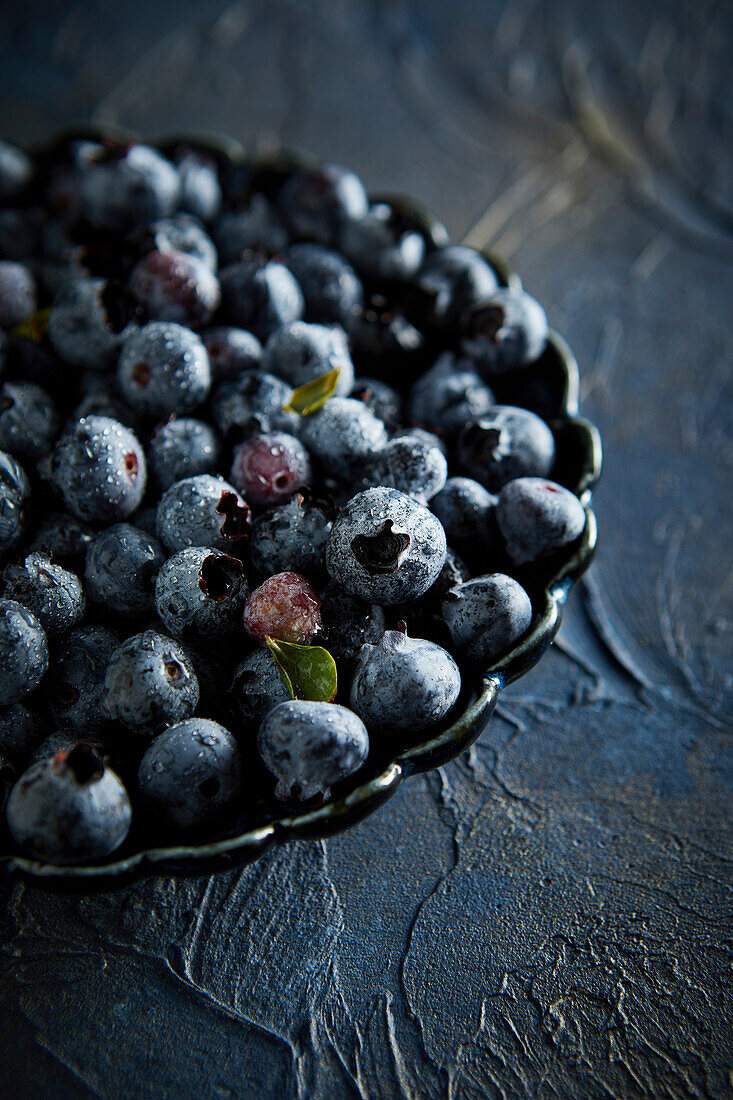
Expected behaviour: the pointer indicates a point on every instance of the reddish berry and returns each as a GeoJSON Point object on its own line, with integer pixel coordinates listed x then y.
{"type": "Point", "coordinates": [173, 286]}
{"type": "Point", "coordinates": [268, 469]}
{"type": "Point", "coordinates": [286, 607]}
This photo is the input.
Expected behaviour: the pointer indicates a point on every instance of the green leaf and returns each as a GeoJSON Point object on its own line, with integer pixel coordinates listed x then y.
{"type": "Point", "coordinates": [313, 395]}
{"type": "Point", "coordinates": [33, 327]}
{"type": "Point", "coordinates": [309, 671]}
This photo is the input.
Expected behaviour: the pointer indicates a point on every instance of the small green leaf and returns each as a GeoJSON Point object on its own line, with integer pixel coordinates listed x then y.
{"type": "Point", "coordinates": [309, 671]}
{"type": "Point", "coordinates": [33, 327]}
{"type": "Point", "coordinates": [313, 395]}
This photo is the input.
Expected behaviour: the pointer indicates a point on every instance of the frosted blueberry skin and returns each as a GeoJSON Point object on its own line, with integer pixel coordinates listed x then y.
{"type": "Point", "coordinates": [467, 511]}
{"type": "Point", "coordinates": [128, 188]}
{"type": "Point", "coordinates": [121, 567]}
{"type": "Point", "coordinates": [504, 444]}
{"type": "Point", "coordinates": [181, 448]}
{"type": "Point", "coordinates": [150, 682]}
{"type": "Point", "coordinates": [23, 652]}
{"type": "Point", "coordinates": [16, 170]}
{"type": "Point", "coordinates": [452, 281]}
{"type": "Point", "coordinates": [259, 295]}
{"type": "Point", "coordinates": [88, 323]}
{"type": "Point", "coordinates": [21, 731]}
{"type": "Point", "coordinates": [255, 227]}
{"type": "Point", "coordinates": [330, 286]}
{"type": "Point", "coordinates": [17, 293]}
{"type": "Point", "coordinates": [69, 808]}
{"type": "Point", "coordinates": [487, 616]}
{"type": "Point", "coordinates": [448, 395]}
{"type": "Point", "coordinates": [231, 351]}
{"type": "Point", "coordinates": [200, 594]}
{"type": "Point", "coordinates": [537, 517]}
{"type": "Point", "coordinates": [63, 539]}
{"type": "Point", "coordinates": [252, 404]}
{"type": "Point", "coordinates": [291, 537]}
{"type": "Point", "coordinates": [29, 422]}
{"type": "Point", "coordinates": [191, 773]}
{"type": "Point", "coordinates": [506, 330]}
{"type": "Point", "coordinates": [343, 435]}
{"type": "Point", "coordinates": [74, 689]}
{"type": "Point", "coordinates": [200, 187]}
{"type": "Point", "coordinates": [382, 399]}
{"type": "Point", "coordinates": [98, 467]}
{"type": "Point", "coordinates": [385, 547]}
{"type": "Point", "coordinates": [403, 684]}
{"type": "Point", "coordinates": [15, 493]}
{"type": "Point", "coordinates": [316, 202]}
{"type": "Point", "coordinates": [175, 286]}
{"type": "Point", "coordinates": [381, 245]}
{"type": "Point", "coordinates": [269, 468]}
{"type": "Point", "coordinates": [163, 369]}
{"type": "Point", "coordinates": [412, 465]}
{"type": "Point", "coordinates": [183, 233]}
{"type": "Point", "coordinates": [301, 352]}
{"type": "Point", "coordinates": [202, 511]}
{"type": "Point", "coordinates": [257, 687]}
{"type": "Point", "coordinates": [310, 746]}
{"type": "Point", "coordinates": [348, 622]}
{"type": "Point", "coordinates": [52, 593]}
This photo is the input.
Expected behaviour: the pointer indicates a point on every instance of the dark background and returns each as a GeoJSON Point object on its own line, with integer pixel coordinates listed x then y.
{"type": "Point", "coordinates": [551, 914]}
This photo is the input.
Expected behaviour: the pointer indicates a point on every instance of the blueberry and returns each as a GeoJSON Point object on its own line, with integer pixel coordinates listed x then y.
{"type": "Point", "coordinates": [448, 395]}
{"type": "Point", "coordinates": [231, 351]}
{"type": "Point", "coordinates": [175, 286]}
{"type": "Point", "coordinates": [16, 170]}
{"type": "Point", "coordinates": [128, 187]}
{"type": "Point", "coordinates": [163, 369]}
{"type": "Point", "coordinates": [537, 517]}
{"type": "Point", "coordinates": [452, 281]}
{"type": "Point", "coordinates": [385, 547]}
{"type": "Point", "coordinates": [290, 538]}
{"type": "Point", "coordinates": [65, 741]}
{"type": "Point", "coordinates": [150, 682]}
{"type": "Point", "coordinates": [403, 684]}
{"type": "Point", "coordinates": [15, 492]}
{"type": "Point", "coordinates": [310, 746]}
{"type": "Point", "coordinates": [257, 687]}
{"type": "Point", "coordinates": [349, 622]}
{"type": "Point", "coordinates": [17, 293]}
{"type": "Point", "coordinates": [23, 652]}
{"type": "Point", "coordinates": [467, 511]}
{"type": "Point", "coordinates": [253, 404]}
{"type": "Point", "coordinates": [200, 187]}
{"type": "Point", "coordinates": [383, 400]}
{"type": "Point", "coordinates": [331, 288]}
{"type": "Point", "coordinates": [268, 469]}
{"type": "Point", "coordinates": [255, 227]}
{"type": "Point", "coordinates": [301, 352]}
{"type": "Point", "coordinates": [191, 773]}
{"type": "Point", "coordinates": [28, 420]}
{"type": "Point", "coordinates": [505, 330]}
{"type": "Point", "coordinates": [504, 444]}
{"type": "Point", "coordinates": [88, 323]}
{"type": "Point", "coordinates": [202, 511]}
{"type": "Point", "coordinates": [52, 593]}
{"type": "Point", "coordinates": [316, 202]}
{"type": "Point", "coordinates": [63, 538]}
{"type": "Point", "coordinates": [99, 468]}
{"type": "Point", "coordinates": [74, 689]}
{"type": "Point", "coordinates": [486, 616]}
{"type": "Point", "coordinates": [343, 435]}
{"type": "Point", "coordinates": [181, 448]}
{"type": "Point", "coordinates": [21, 731]}
{"type": "Point", "coordinates": [381, 245]}
{"type": "Point", "coordinates": [286, 607]}
{"type": "Point", "coordinates": [260, 295]}
{"type": "Point", "coordinates": [411, 465]}
{"type": "Point", "coordinates": [69, 808]}
{"type": "Point", "coordinates": [121, 567]}
{"type": "Point", "coordinates": [200, 593]}
{"type": "Point", "coordinates": [182, 233]}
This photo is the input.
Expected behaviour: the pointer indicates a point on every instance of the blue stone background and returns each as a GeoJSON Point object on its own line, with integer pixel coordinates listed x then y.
{"type": "Point", "coordinates": [550, 915]}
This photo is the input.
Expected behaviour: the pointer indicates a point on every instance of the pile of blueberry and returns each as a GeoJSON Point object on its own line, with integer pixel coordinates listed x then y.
{"type": "Point", "coordinates": [242, 403]}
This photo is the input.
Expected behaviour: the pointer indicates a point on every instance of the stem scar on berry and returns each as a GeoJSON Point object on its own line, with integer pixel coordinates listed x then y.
{"type": "Point", "coordinates": [237, 517]}
{"type": "Point", "coordinates": [173, 670]}
{"type": "Point", "coordinates": [141, 374]}
{"type": "Point", "coordinates": [131, 464]}
{"type": "Point", "coordinates": [381, 553]}
{"type": "Point", "coordinates": [83, 760]}
{"type": "Point", "coordinates": [218, 576]}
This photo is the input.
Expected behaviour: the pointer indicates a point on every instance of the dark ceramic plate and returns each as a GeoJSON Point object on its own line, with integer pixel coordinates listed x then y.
{"type": "Point", "coordinates": [550, 388]}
